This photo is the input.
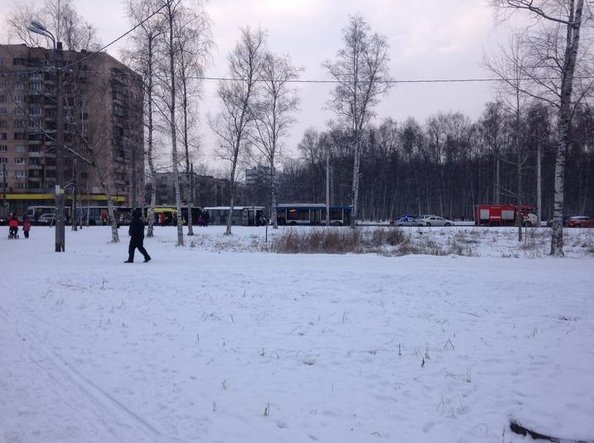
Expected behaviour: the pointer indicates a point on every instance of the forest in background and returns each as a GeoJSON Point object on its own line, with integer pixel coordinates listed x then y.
{"type": "Point", "coordinates": [443, 166]}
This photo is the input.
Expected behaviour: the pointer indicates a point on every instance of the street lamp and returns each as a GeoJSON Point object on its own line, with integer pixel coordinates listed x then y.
{"type": "Point", "coordinates": [38, 28]}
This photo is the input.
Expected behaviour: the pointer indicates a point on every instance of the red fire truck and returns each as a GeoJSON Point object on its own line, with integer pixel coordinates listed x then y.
{"type": "Point", "coordinates": [504, 215]}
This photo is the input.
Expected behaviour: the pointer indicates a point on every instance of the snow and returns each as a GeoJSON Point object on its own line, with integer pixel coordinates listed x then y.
{"type": "Point", "coordinates": [222, 341]}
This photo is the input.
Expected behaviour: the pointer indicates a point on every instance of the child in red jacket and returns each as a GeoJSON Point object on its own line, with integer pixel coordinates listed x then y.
{"type": "Point", "coordinates": [26, 226]}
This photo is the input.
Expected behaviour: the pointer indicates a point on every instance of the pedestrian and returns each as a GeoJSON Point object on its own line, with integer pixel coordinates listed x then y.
{"type": "Point", "coordinates": [26, 226]}
{"type": "Point", "coordinates": [136, 232]}
{"type": "Point", "coordinates": [13, 226]}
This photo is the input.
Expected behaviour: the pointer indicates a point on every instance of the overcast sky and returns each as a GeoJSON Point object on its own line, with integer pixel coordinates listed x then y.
{"type": "Point", "coordinates": [429, 39]}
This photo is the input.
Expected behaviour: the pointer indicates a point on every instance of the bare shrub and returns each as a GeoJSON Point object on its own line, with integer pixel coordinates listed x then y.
{"type": "Point", "coordinates": [379, 238]}
{"type": "Point", "coordinates": [315, 241]}
{"type": "Point", "coordinates": [463, 243]}
{"type": "Point", "coordinates": [389, 242]}
{"type": "Point", "coordinates": [288, 243]}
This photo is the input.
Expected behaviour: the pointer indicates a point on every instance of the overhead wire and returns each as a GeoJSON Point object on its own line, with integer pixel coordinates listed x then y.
{"type": "Point", "coordinates": [306, 81]}
{"type": "Point", "coordinates": [92, 54]}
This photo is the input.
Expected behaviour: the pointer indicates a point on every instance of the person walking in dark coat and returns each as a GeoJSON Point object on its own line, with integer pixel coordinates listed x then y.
{"type": "Point", "coordinates": [136, 232]}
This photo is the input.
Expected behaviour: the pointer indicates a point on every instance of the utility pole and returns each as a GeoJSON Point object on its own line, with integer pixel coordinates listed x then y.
{"type": "Point", "coordinates": [327, 189]}
{"type": "Point", "coordinates": [38, 28]}
{"type": "Point", "coordinates": [60, 159]}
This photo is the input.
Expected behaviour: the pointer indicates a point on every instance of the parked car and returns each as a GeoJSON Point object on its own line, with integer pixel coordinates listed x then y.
{"type": "Point", "coordinates": [434, 220]}
{"type": "Point", "coordinates": [46, 219]}
{"type": "Point", "coordinates": [564, 220]}
{"type": "Point", "coordinates": [580, 221]}
{"type": "Point", "coordinates": [407, 220]}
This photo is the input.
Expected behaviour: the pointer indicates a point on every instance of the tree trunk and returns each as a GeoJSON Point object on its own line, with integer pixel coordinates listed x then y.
{"type": "Point", "coordinates": [571, 51]}
{"type": "Point", "coordinates": [150, 130]}
{"type": "Point", "coordinates": [355, 190]}
{"type": "Point", "coordinates": [232, 196]}
{"type": "Point", "coordinates": [273, 192]}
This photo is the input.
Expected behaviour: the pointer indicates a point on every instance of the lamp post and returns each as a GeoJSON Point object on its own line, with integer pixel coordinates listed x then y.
{"type": "Point", "coordinates": [38, 28]}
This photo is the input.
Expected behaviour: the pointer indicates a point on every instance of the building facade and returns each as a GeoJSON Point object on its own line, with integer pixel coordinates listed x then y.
{"type": "Point", "coordinates": [102, 120]}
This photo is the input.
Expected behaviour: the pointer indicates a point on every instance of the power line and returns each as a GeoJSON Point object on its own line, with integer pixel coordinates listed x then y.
{"type": "Point", "coordinates": [117, 39]}
{"type": "Point", "coordinates": [454, 80]}
{"type": "Point", "coordinates": [396, 81]}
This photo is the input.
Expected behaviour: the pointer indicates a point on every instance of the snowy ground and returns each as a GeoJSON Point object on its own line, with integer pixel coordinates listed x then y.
{"type": "Point", "coordinates": [220, 341]}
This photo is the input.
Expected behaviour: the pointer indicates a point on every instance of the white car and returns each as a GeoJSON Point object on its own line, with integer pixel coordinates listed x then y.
{"type": "Point", "coordinates": [46, 219]}
{"type": "Point", "coordinates": [434, 220]}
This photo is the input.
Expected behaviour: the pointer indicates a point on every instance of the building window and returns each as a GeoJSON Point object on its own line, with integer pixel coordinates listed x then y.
{"type": "Point", "coordinates": [20, 185]}
{"type": "Point", "coordinates": [2, 110]}
{"type": "Point", "coordinates": [3, 148]}
{"type": "Point", "coordinates": [3, 160]}
{"type": "Point", "coordinates": [2, 99]}
{"type": "Point", "coordinates": [36, 123]}
{"type": "Point", "coordinates": [20, 161]}
{"type": "Point", "coordinates": [19, 98]}
{"type": "Point", "coordinates": [20, 149]}
{"type": "Point", "coordinates": [19, 174]}
{"type": "Point", "coordinates": [2, 123]}
{"type": "Point", "coordinates": [19, 87]}
{"type": "Point", "coordinates": [2, 135]}
{"type": "Point", "coordinates": [19, 136]}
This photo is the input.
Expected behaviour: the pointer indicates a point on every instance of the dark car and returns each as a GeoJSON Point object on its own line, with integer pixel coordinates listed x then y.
{"type": "Point", "coordinates": [580, 221]}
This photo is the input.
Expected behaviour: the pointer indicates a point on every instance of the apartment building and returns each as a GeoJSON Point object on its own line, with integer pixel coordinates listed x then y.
{"type": "Point", "coordinates": [102, 120]}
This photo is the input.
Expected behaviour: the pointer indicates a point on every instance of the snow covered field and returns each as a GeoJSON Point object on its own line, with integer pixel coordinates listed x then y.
{"type": "Point", "coordinates": [219, 341]}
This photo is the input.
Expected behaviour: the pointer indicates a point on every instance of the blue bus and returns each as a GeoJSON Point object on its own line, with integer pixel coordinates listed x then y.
{"type": "Point", "coordinates": [312, 214]}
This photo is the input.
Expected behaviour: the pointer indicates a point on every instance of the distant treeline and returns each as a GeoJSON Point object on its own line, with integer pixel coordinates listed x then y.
{"type": "Point", "coordinates": [445, 165]}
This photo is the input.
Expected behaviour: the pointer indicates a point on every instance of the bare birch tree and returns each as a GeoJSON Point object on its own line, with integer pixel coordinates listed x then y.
{"type": "Point", "coordinates": [509, 67]}
{"type": "Point", "coordinates": [170, 13]}
{"type": "Point", "coordinates": [193, 30]}
{"type": "Point", "coordinates": [237, 96]}
{"type": "Point", "coordinates": [273, 115]}
{"type": "Point", "coordinates": [143, 58]}
{"type": "Point", "coordinates": [362, 75]}
{"type": "Point", "coordinates": [554, 46]}
{"type": "Point", "coordinates": [93, 146]}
